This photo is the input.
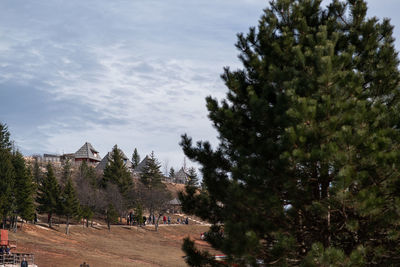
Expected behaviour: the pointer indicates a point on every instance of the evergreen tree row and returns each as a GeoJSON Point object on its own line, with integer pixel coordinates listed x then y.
{"type": "Point", "coordinates": [76, 194]}
{"type": "Point", "coordinates": [16, 185]}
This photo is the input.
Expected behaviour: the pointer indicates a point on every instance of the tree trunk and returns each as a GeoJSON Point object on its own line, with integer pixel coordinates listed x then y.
{"type": "Point", "coordinates": [156, 224]}
{"type": "Point", "coordinates": [15, 223]}
{"type": "Point", "coordinates": [12, 220]}
{"type": "Point", "coordinates": [50, 220]}
{"type": "Point", "coordinates": [108, 225]}
{"type": "Point", "coordinates": [22, 223]}
{"type": "Point", "coordinates": [67, 227]}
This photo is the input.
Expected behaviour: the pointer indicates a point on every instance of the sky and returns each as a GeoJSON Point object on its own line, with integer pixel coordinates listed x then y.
{"type": "Point", "coordinates": [126, 72]}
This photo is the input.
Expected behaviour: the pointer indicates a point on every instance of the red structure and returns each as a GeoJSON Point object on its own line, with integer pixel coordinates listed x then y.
{"type": "Point", "coordinates": [4, 241]}
{"type": "Point", "coordinates": [4, 238]}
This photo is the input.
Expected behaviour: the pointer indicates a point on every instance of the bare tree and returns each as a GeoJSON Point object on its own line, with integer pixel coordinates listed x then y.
{"type": "Point", "coordinates": [116, 199]}
{"type": "Point", "coordinates": [91, 198]}
{"type": "Point", "coordinates": [166, 165]}
{"type": "Point", "coordinates": [155, 200]}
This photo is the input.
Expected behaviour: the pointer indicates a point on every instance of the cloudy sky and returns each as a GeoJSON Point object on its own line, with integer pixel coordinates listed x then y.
{"type": "Point", "coordinates": [127, 72]}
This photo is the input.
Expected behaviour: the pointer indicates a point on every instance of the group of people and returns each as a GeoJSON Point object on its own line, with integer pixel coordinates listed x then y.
{"type": "Point", "coordinates": [5, 250]}
{"type": "Point", "coordinates": [183, 221]}
{"type": "Point", "coordinates": [165, 219]}
{"type": "Point", "coordinates": [131, 219]}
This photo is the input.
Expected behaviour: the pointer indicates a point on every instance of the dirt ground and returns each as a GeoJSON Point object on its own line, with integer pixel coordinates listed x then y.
{"type": "Point", "coordinates": [122, 246]}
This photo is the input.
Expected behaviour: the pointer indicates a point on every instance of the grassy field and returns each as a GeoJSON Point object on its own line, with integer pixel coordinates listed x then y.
{"type": "Point", "coordinates": [122, 246]}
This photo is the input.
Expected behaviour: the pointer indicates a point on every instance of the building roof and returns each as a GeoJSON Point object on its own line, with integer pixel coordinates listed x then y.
{"type": "Point", "coordinates": [87, 151]}
{"type": "Point", "coordinates": [141, 165]}
{"type": "Point", "coordinates": [175, 201]}
{"type": "Point", "coordinates": [181, 176]}
{"type": "Point", "coordinates": [51, 156]}
{"type": "Point", "coordinates": [103, 163]}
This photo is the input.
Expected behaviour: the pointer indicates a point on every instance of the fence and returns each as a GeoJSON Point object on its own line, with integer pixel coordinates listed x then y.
{"type": "Point", "coordinates": [16, 258]}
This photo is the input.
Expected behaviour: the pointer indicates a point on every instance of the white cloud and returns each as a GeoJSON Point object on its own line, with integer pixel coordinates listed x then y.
{"type": "Point", "coordinates": [132, 73]}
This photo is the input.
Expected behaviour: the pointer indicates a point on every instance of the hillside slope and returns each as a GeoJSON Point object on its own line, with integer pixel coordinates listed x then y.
{"type": "Point", "coordinates": [122, 246]}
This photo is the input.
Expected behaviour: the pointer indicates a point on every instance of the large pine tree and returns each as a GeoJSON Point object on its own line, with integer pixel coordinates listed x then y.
{"type": "Point", "coordinates": [23, 188]}
{"type": "Point", "coordinates": [5, 142]}
{"type": "Point", "coordinates": [7, 180]}
{"type": "Point", "coordinates": [193, 179]}
{"type": "Point", "coordinates": [306, 172]}
{"type": "Point", "coordinates": [37, 173]}
{"type": "Point", "coordinates": [7, 175]}
{"type": "Point", "coordinates": [135, 158]}
{"type": "Point", "coordinates": [48, 195]}
{"type": "Point", "coordinates": [66, 171]}
{"type": "Point", "coordinates": [88, 173]}
{"type": "Point", "coordinates": [155, 190]}
{"type": "Point", "coordinates": [171, 172]}
{"type": "Point", "coordinates": [151, 175]}
{"type": "Point", "coordinates": [69, 203]}
{"type": "Point", "coordinates": [117, 173]}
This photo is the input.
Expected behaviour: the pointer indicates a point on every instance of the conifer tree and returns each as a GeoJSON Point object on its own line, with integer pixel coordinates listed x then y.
{"type": "Point", "coordinates": [111, 216]}
{"type": "Point", "coordinates": [66, 172]}
{"type": "Point", "coordinates": [306, 172]}
{"type": "Point", "coordinates": [87, 213]}
{"type": "Point", "coordinates": [69, 203]}
{"type": "Point", "coordinates": [48, 196]}
{"type": "Point", "coordinates": [5, 142]}
{"type": "Point", "coordinates": [151, 178]}
{"type": "Point", "coordinates": [88, 173]}
{"type": "Point", "coordinates": [151, 175]}
{"type": "Point", "coordinates": [23, 188]}
{"type": "Point", "coordinates": [117, 173]}
{"type": "Point", "coordinates": [139, 214]}
{"type": "Point", "coordinates": [193, 179]}
{"type": "Point", "coordinates": [171, 172]}
{"type": "Point", "coordinates": [135, 158]}
{"type": "Point", "coordinates": [37, 173]}
{"type": "Point", "coordinates": [7, 174]}
{"type": "Point", "coordinates": [7, 180]}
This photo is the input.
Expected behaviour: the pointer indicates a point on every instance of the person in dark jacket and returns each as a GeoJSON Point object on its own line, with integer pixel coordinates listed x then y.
{"type": "Point", "coordinates": [24, 263]}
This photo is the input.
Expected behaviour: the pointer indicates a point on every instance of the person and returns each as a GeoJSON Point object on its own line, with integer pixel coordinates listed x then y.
{"type": "Point", "coordinates": [8, 250]}
{"type": "Point", "coordinates": [131, 218]}
{"type": "Point", "coordinates": [169, 220]}
{"type": "Point", "coordinates": [178, 220]}
{"type": "Point", "coordinates": [144, 220]}
{"type": "Point", "coordinates": [164, 219]}
{"type": "Point", "coordinates": [1, 250]}
{"type": "Point", "coordinates": [24, 263]}
{"type": "Point", "coordinates": [35, 220]}
{"type": "Point", "coordinates": [187, 220]}
{"type": "Point", "coordinates": [84, 264]}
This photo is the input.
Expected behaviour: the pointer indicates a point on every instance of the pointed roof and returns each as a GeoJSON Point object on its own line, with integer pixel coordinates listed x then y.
{"type": "Point", "coordinates": [181, 176]}
{"type": "Point", "coordinates": [141, 165]}
{"type": "Point", "coordinates": [87, 151]}
{"type": "Point", "coordinates": [103, 163]}
{"type": "Point", "coordinates": [175, 201]}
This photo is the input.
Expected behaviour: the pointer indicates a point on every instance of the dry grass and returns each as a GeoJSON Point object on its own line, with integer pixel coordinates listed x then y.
{"type": "Point", "coordinates": [122, 246]}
